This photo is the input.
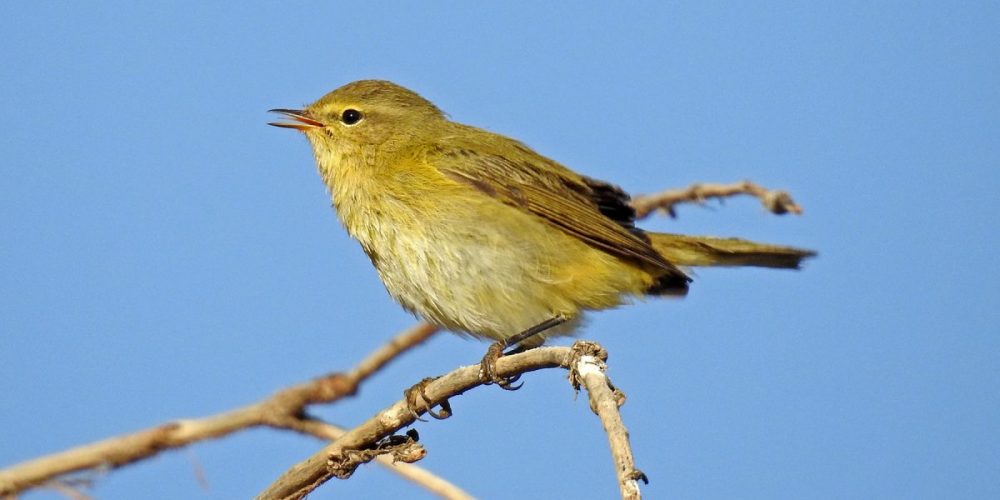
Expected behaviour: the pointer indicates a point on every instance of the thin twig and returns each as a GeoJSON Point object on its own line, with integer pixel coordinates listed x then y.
{"type": "Point", "coordinates": [589, 370]}
{"type": "Point", "coordinates": [341, 458]}
{"type": "Point", "coordinates": [775, 201]}
{"type": "Point", "coordinates": [285, 410]}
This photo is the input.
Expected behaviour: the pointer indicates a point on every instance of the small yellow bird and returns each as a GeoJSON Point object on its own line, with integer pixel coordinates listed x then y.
{"type": "Point", "coordinates": [478, 233]}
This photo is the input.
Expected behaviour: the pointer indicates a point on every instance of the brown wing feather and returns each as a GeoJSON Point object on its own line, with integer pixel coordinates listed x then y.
{"type": "Point", "coordinates": [593, 211]}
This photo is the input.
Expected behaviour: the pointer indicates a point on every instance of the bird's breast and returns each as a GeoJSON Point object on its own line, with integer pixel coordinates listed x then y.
{"type": "Point", "coordinates": [469, 263]}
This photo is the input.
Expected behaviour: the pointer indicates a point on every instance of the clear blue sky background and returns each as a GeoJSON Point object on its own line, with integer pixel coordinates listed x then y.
{"type": "Point", "coordinates": [165, 254]}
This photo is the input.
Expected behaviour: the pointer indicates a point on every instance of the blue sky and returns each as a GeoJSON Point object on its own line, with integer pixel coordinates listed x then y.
{"type": "Point", "coordinates": [165, 254]}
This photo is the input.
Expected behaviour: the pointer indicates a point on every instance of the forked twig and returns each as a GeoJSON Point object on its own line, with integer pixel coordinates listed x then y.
{"type": "Point", "coordinates": [775, 201]}
{"type": "Point", "coordinates": [340, 458]}
{"type": "Point", "coordinates": [284, 410]}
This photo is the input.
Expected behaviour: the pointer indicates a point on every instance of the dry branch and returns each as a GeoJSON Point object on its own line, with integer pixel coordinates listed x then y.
{"type": "Point", "coordinates": [605, 399]}
{"type": "Point", "coordinates": [418, 475]}
{"type": "Point", "coordinates": [775, 201]}
{"type": "Point", "coordinates": [341, 458]}
{"type": "Point", "coordinates": [284, 410]}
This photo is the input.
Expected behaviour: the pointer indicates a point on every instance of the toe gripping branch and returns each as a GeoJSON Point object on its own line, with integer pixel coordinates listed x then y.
{"type": "Point", "coordinates": [424, 403]}
{"type": "Point", "coordinates": [488, 366]}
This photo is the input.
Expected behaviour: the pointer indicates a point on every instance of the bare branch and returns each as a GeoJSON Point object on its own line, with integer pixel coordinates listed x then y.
{"type": "Point", "coordinates": [285, 410]}
{"type": "Point", "coordinates": [418, 475]}
{"type": "Point", "coordinates": [334, 460]}
{"type": "Point", "coordinates": [605, 399]}
{"type": "Point", "coordinates": [341, 458]}
{"type": "Point", "coordinates": [775, 201]}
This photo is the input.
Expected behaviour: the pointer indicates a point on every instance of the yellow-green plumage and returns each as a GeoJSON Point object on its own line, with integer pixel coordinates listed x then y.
{"type": "Point", "coordinates": [478, 233]}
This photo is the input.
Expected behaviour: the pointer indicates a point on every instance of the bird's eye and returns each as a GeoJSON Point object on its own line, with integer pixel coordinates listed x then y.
{"type": "Point", "coordinates": [351, 116]}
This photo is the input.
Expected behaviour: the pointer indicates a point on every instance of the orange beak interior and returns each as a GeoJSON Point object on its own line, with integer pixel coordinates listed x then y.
{"type": "Point", "coordinates": [300, 121]}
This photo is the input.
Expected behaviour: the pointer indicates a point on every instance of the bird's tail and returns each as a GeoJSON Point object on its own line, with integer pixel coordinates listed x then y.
{"type": "Point", "coordinates": [698, 251]}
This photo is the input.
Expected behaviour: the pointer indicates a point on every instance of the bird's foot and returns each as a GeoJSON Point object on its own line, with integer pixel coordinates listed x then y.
{"type": "Point", "coordinates": [417, 401]}
{"type": "Point", "coordinates": [488, 369]}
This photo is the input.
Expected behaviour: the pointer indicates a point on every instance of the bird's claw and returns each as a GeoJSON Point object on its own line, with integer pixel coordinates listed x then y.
{"type": "Point", "coordinates": [488, 369]}
{"type": "Point", "coordinates": [415, 405]}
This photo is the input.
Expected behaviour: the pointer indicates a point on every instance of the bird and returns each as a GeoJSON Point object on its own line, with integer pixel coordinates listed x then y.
{"type": "Point", "coordinates": [479, 234]}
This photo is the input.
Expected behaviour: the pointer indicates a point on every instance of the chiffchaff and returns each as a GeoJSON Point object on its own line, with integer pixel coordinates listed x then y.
{"type": "Point", "coordinates": [478, 233]}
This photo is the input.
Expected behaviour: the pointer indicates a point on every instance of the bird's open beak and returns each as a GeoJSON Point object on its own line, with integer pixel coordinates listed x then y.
{"type": "Point", "coordinates": [301, 121]}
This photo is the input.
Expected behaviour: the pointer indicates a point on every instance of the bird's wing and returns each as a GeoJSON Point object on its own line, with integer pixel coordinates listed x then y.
{"type": "Point", "coordinates": [593, 211]}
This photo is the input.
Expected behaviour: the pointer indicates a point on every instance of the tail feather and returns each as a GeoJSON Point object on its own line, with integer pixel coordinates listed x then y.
{"type": "Point", "coordinates": [699, 251]}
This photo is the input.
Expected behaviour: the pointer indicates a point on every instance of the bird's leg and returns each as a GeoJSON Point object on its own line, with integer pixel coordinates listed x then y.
{"type": "Point", "coordinates": [488, 366]}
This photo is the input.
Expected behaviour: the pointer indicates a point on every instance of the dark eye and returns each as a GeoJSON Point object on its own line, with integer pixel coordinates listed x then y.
{"type": "Point", "coordinates": [351, 116]}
